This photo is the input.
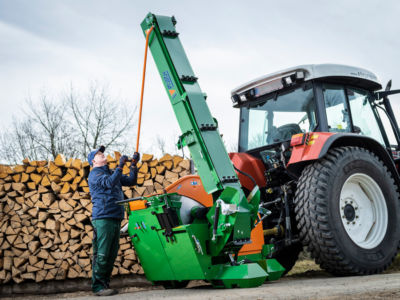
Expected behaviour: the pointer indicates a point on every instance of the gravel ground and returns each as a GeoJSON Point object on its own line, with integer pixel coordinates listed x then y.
{"type": "Point", "coordinates": [383, 286]}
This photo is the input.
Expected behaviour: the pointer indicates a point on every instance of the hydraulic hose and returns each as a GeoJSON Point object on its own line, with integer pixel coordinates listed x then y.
{"type": "Point", "coordinates": [142, 92]}
{"type": "Point", "coordinates": [245, 174]}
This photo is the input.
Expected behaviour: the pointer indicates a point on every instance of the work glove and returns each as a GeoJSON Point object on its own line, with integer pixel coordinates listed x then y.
{"type": "Point", "coordinates": [135, 158]}
{"type": "Point", "coordinates": [122, 161]}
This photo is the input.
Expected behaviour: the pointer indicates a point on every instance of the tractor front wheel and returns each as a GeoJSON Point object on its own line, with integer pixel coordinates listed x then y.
{"type": "Point", "coordinates": [348, 211]}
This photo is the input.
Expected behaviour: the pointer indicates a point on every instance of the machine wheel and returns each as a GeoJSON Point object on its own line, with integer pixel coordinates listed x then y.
{"type": "Point", "coordinates": [348, 212]}
{"type": "Point", "coordinates": [172, 284]}
{"type": "Point", "coordinates": [288, 256]}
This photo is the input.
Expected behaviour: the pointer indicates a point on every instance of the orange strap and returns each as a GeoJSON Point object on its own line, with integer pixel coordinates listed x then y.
{"type": "Point", "coordinates": [143, 80]}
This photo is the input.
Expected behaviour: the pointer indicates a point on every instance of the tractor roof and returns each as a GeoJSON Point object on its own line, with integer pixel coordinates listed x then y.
{"type": "Point", "coordinates": [331, 72]}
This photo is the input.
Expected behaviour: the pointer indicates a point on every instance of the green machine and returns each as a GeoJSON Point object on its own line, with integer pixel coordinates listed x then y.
{"type": "Point", "coordinates": [176, 239]}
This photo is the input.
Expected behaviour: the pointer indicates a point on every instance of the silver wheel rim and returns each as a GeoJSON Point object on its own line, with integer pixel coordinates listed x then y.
{"type": "Point", "coordinates": [363, 211]}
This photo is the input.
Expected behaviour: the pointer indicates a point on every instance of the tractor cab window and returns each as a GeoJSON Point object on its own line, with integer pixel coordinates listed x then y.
{"type": "Point", "coordinates": [364, 120]}
{"type": "Point", "coordinates": [337, 112]}
{"type": "Point", "coordinates": [277, 117]}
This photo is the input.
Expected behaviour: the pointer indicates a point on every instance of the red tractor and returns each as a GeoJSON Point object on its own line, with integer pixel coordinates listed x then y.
{"type": "Point", "coordinates": [322, 143]}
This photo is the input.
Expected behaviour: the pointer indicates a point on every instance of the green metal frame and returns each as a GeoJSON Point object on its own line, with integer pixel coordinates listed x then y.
{"type": "Point", "coordinates": [200, 250]}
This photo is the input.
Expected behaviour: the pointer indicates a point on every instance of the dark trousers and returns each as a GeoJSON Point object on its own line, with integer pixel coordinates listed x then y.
{"type": "Point", "coordinates": [105, 251]}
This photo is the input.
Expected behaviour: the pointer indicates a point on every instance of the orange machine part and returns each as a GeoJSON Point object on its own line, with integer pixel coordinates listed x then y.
{"type": "Point", "coordinates": [137, 204]}
{"type": "Point", "coordinates": [250, 165]}
{"type": "Point", "coordinates": [192, 187]}
{"type": "Point", "coordinates": [311, 148]}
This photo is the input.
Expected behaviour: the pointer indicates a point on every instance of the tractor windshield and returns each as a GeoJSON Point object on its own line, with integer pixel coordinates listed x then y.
{"type": "Point", "coordinates": [276, 117]}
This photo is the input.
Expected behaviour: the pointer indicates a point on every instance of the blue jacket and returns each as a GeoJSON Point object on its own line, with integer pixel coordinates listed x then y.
{"type": "Point", "coordinates": [106, 188]}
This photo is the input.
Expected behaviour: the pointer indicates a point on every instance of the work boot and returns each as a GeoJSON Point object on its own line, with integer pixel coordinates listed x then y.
{"type": "Point", "coordinates": [106, 292]}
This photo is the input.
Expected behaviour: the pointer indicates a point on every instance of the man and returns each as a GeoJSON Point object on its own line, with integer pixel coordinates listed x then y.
{"type": "Point", "coordinates": [105, 189]}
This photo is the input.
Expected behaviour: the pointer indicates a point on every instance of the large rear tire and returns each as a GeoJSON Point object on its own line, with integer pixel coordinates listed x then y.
{"type": "Point", "coordinates": [348, 212]}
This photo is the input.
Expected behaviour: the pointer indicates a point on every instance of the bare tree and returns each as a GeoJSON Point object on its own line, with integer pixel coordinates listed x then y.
{"type": "Point", "coordinates": [48, 128]}
{"type": "Point", "coordinates": [160, 144]}
{"type": "Point", "coordinates": [42, 133]}
{"type": "Point", "coordinates": [71, 125]}
{"type": "Point", "coordinates": [99, 119]}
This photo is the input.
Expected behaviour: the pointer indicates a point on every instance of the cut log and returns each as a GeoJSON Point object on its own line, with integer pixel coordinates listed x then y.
{"type": "Point", "coordinates": [68, 164]}
{"type": "Point", "coordinates": [55, 187]}
{"type": "Point", "coordinates": [43, 254]}
{"type": "Point", "coordinates": [153, 163]}
{"type": "Point", "coordinates": [36, 178]}
{"type": "Point", "coordinates": [80, 217]}
{"type": "Point", "coordinates": [159, 178]}
{"type": "Point", "coordinates": [144, 168]}
{"type": "Point", "coordinates": [146, 157]}
{"type": "Point", "coordinates": [66, 188]}
{"type": "Point", "coordinates": [24, 177]}
{"type": "Point", "coordinates": [60, 160]}
{"type": "Point", "coordinates": [64, 206]}
{"type": "Point", "coordinates": [42, 189]}
{"type": "Point", "coordinates": [77, 179]}
{"type": "Point", "coordinates": [54, 178]}
{"type": "Point", "coordinates": [83, 183]}
{"type": "Point", "coordinates": [52, 225]}
{"type": "Point", "coordinates": [77, 164]}
{"type": "Point", "coordinates": [33, 212]}
{"type": "Point", "coordinates": [18, 186]}
{"type": "Point", "coordinates": [64, 236]}
{"type": "Point", "coordinates": [168, 164]}
{"type": "Point", "coordinates": [184, 173]}
{"type": "Point", "coordinates": [72, 172]}
{"type": "Point", "coordinates": [31, 185]}
{"type": "Point", "coordinates": [41, 275]}
{"type": "Point", "coordinates": [17, 261]}
{"type": "Point", "coordinates": [16, 177]}
{"type": "Point", "coordinates": [48, 198]}
{"type": "Point", "coordinates": [33, 246]}
{"type": "Point", "coordinates": [166, 157]}
{"type": "Point", "coordinates": [19, 169]}
{"type": "Point", "coordinates": [67, 178]}
{"type": "Point", "coordinates": [140, 190]}
{"type": "Point", "coordinates": [153, 172]}
{"type": "Point", "coordinates": [171, 176]}
{"type": "Point", "coordinates": [148, 183]}
{"type": "Point", "coordinates": [160, 169]}
{"type": "Point", "coordinates": [45, 181]}
{"type": "Point", "coordinates": [185, 164]}
{"type": "Point", "coordinates": [57, 172]}
{"type": "Point", "coordinates": [176, 160]}
{"type": "Point", "coordinates": [166, 183]}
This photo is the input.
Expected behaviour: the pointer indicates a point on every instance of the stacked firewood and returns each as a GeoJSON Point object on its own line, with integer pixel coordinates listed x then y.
{"type": "Point", "coordinates": [45, 210]}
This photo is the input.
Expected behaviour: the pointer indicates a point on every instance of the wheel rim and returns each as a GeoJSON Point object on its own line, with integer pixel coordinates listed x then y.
{"type": "Point", "coordinates": [363, 211]}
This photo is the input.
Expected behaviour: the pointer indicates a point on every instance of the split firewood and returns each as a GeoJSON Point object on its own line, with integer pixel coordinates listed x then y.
{"type": "Point", "coordinates": [60, 160]}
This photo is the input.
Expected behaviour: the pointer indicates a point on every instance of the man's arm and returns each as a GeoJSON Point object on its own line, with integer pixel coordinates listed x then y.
{"type": "Point", "coordinates": [105, 180]}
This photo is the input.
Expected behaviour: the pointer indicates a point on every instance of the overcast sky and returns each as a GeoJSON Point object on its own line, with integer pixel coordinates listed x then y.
{"type": "Point", "coordinates": [45, 45]}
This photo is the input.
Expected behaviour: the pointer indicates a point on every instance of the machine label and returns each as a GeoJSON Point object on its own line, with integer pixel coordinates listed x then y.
{"type": "Point", "coordinates": [169, 84]}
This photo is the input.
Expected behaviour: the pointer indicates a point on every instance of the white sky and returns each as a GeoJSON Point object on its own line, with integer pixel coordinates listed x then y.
{"type": "Point", "coordinates": [46, 45]}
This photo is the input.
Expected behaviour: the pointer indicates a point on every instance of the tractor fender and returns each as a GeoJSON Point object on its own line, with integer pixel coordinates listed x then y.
{"type": "Point", "coordinates": [317, 145]}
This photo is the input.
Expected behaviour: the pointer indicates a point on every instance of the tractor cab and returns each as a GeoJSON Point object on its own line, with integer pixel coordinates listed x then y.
{"type": "Point", "coordinates": [314, 98]}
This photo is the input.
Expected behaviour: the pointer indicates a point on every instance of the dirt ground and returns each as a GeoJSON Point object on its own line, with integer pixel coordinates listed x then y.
{"type": "Point", "coordinates": [305, 281]}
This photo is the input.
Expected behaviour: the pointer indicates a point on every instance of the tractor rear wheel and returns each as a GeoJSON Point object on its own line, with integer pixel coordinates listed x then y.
{"type": "Point", "coordinates": [348, 211]}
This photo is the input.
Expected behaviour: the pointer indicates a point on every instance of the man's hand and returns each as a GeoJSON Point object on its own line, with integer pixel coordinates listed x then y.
{"type": "Point", "coordinates": [122, 161]}
{"type": "Point", "coordinates": [135, 158]}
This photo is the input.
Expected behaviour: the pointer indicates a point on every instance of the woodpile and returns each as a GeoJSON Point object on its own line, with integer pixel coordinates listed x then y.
{"type": "Point", "coordinates": [45, 211]}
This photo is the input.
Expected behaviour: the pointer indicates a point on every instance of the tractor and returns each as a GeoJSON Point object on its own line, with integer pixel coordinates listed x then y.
{"type": "Point", "coordinates": [315, 167]}
{"type": "Point", "coordinates": [313, 138]}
